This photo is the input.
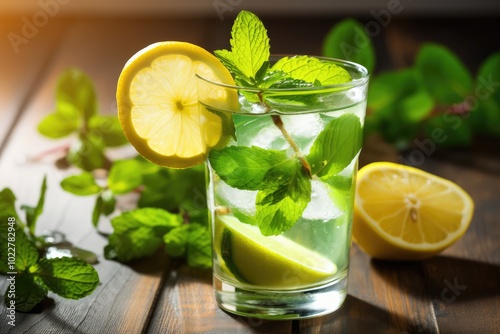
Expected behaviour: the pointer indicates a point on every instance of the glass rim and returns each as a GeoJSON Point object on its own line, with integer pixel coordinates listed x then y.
{"type": "Point", "coordinates": [343, 86]}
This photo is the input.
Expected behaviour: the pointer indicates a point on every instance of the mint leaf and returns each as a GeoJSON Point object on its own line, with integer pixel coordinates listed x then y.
{"type": "Point", "coordinates": [227, 59]}
{"type": "Point", "coordinates": [249, 46]}
{"type": "Point", "coordinates": [70, 278]}
{"type": "Point", "coordinates": [133, 244]}
{"type": "Point", "coordinates": [58, 125]}
{"type": "Point", "coordinates": [348, 40]}
{"type": "Point", "coordinates": [186, 185]}
{"type": "Point", "coordinates": [124, 176]}
{"type": "Point", "coordinates": [76, 92]}
{"type": "Point", "coordinates": [109, 129]}
{"type": "Point", "coordinates": [27, 295]}
{"type": "Point", "coordinates": [8, 206]}
{"type": "Point", "coordinates": [26, 252]}
{"type": "Point", "coordinates": [191, 240]}
{"type": "Point", "coordinates": [416, 107]}
{"type": "Point", "coordinates": [81, 185]}
{"type": "Point", "coordinates": [244, 167]}
{"type": "Point", "coordinates": [199, 252]}
{"type": "Point", "coordinates": [487, 115]}
{"type": "Point", "coordinates": [176, 241]}
{"type": "Point", "coordinates": [443, 75]}
{"type": "Point", "coordinates": [312, 70]}
{"type": "Point", "coordinates": [105, 204]}
{"type": "Point", "coordinates": [279, 207]}
{"type": "Point", "coordinates": [336, 146]}
{"type": "Point", "coordinates": [146, 217]}
{"type": "Point", "coordinates": [139, 233]}
{"type": "Point", "coordinates": [87, 153]}
{"type": "Point", "coordinates": [32, 213]}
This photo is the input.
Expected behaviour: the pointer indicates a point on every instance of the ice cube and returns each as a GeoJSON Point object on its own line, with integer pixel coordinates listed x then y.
{"type": "Point", "coordinates": [321, 206]}
{"type": "Point", "coordinates": [243, 200]}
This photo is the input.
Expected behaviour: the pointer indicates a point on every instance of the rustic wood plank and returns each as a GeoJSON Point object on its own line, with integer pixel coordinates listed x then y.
{"type": "Point", "coordinates": [23, 58]}
{"type": "Point", "coordinates": [187, 305]}
{"type": "Point", "coordinates": [464, 281]}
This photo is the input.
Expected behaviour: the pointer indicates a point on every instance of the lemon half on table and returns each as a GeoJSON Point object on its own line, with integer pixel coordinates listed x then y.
{"type": "Point", "coordinates": [404, 213]}
{"type": "Point", "coordinates": [158, 106]}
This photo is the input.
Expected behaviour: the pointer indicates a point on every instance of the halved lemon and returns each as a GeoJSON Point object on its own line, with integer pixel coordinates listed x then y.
{"type": "Point", "coordinates": [273, 262]}
{"type": "Point", "coordinates": [404, 213]}
{"type": "Point", "coordinates": [158, 106]}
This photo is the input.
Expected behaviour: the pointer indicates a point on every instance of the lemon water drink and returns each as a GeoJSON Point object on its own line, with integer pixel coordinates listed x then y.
{"type": "Point", "coordinates": [281, 137]}
{"type": "Point", "coordinates": [281, 193]}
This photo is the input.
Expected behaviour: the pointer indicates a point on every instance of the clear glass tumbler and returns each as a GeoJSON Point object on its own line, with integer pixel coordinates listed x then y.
{"type": "Point", "coordinates": [281, 194]}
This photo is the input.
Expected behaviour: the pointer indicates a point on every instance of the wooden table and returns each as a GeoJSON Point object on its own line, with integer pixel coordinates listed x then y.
{"type": "Point", "coordinates": [455, 292]}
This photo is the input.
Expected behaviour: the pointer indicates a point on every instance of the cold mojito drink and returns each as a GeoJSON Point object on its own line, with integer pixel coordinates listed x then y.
{"type": "Point", "coordinates": [280, 195]}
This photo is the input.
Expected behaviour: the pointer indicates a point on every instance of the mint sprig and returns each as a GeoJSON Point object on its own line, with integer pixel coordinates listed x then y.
{"type": "Point", "coordinates": [76, 112]}
{"type": "Point", "coordinates": [36, 273]}
{"type": "Point", "coordinates": [283, 182]}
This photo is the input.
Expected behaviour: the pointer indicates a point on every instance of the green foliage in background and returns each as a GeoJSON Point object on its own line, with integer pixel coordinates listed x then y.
{"type": "Point", "coordinates": [437, 97]}
{"type": "Point", "coordinates": [76, 113]}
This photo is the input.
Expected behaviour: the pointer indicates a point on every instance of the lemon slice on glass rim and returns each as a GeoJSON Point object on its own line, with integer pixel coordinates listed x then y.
{"type": "Point", "coordinates": [404, 213]}
{"type": "Point", "coordinates": [158, 106]}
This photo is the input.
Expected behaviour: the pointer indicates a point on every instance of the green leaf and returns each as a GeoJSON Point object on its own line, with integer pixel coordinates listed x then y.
{"type": "Point", "coordinates": [348, 40]}
{"type": "Point", "coordinates": [27, 295]}
{"type": "Point", "coordinates": [249, 44]}
{"type": "Point", "coordinates": [387, 89]}
{"type": "Point", "coordinates": [87, 153]}
{"type": "Point", "coordinates": [146, 217]}
{"type": "Point", "coordinates": [199, 252]}
{"type": "Point", "coordinates": [70, 278]}
{"type": "Point", "coordinates": [58, 125]}
{"type": "Point", "coordinates": [312, 70]}
{"type": "Point", "coordinates": [489, 73]}
{"type": "Point", "coordinates": [176, 241]}
{"type": "Point", "coordinates": [13, 236]}
{"type": "Point", "coordinates": [75, 91]}
{"type": "Point", "coordinates": [109, 129]}
{"type": "Point", "coordinates": [32, 213]}
{"type": "Point", "coordinates": [227, 59]}
{"type": "Point", "coordinates": [124, 176]}
{"type": "Point", "coordinates": [280, 206]}
{"type": "Point", "coordinates": [486, 115]}
{"type": "Point", "coordinates": [182, 185]}
{"type": "Point", "coordinates": [8, 206]}
{"type": "Point", "coordinates": [416, 107]}
{"type": "Point", "coordinates": [454, 130]}
{"type": "Point", "coordinates": [443, 74]}
{"type": "Point", "coordinates": [81, 185]}
{"type": "Point", "coordinates": [105, 204]}
{"type": "Point", "coordinates": [244, 167]}
{"type": "Point", "coordinates": [139, 233]}
{"type": "Point", "coordinates": [132, 244]}
{"type": "Point", "coordinates": [336, 146]}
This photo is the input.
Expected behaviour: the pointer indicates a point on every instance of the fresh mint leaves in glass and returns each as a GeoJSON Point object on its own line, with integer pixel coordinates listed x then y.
{"type": "Point", "coordinates": [281, 192]}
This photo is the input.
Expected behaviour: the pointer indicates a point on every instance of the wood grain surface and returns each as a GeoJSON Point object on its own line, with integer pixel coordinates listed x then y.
{"type": "Point", "coordinates": [457, 291]}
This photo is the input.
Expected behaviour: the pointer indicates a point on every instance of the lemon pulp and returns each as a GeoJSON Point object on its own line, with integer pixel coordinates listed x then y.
{"type": "Point", "coordinates": [403, 213]}
{"type": "Point", "coordinates": [158, 106]}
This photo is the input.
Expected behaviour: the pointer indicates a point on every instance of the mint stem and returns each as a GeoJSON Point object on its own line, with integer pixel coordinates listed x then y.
{"type": "Point", "coordinates": [305, 165]}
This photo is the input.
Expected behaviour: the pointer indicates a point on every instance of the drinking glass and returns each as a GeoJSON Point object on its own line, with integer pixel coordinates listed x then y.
{"type": "Point", "coordinates": [280, 216]}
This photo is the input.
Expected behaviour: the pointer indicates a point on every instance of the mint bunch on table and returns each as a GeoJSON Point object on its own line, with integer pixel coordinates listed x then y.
{"type": "Point", "coordinates": [24, 259]}
{"type": "Point", "coordinates": [283, 182]}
